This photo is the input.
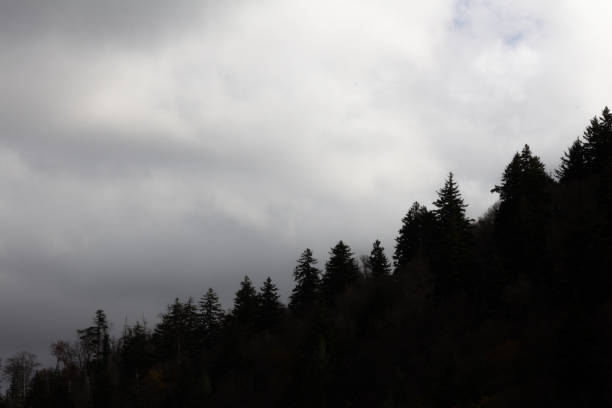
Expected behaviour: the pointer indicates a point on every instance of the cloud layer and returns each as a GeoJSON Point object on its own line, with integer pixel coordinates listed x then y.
{"type": "Point", "coordinates": [148, 152]}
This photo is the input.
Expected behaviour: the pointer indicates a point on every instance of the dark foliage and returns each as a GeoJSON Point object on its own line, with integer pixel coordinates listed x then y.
{"type": "Point", "coordinates": [414, 236]}
{"type": "Point", "coordinates": [307, 283]}
{"type": "Point", "coordinates": [378, 263]}
{"type": "Point", "coordinates": [341, 270]}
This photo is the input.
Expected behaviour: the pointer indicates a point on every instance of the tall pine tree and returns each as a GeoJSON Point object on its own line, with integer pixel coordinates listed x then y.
{"type": "Point", "coordinates": [414, 235]}
{"type": "Point", "coordinates": [524, 213]}
{"type": "Point", "coordinates": [378, 262]}
{"type": "Point", "coordinates": [246, 303]}
{"type": "Point", "coordinates": [598, 142]}
{"type": "Point", "coordinates": [270, 308]}
{"type": "Point", "coordinates": [211, 314]}
{"type": "Point", "coordinates": [451, 248]}
{"type": "Point", "coordinates": [573, 164]}
{"type": "Point", "coordinates": [307, 282]}
{"type": "Point", "coordinates": [341, 270]}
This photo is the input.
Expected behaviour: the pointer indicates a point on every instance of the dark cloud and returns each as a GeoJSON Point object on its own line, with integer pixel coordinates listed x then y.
{"type": "Point", "coordinates": [89, 23]}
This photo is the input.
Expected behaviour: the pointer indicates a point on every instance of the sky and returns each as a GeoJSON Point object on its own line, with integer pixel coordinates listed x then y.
{"type": "Point", "coordinates": [150, 150]}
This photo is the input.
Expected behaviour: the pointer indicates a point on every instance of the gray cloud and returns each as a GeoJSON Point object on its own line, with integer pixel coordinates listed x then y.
{"type": "Point", "coordinates": [151, 152]}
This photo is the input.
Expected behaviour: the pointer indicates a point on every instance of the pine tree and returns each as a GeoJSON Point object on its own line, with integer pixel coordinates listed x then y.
{"type": "Point", "coordinates": [95, 339]}
{"type": "Point", "coordinates": [450, 212]}
{"type": "Point", "coordinates": [190, 320]}
{"type": "Point", "coordinates": [524, 212]}
{"type": "Point", "coordinates": [598, 142]}
{"type": "Point", "coordinates": [245, 303]}
{"type": "Point", "coordinates": [177, 334]}
{"type": "Point", "coordinates": [340, 270]}
{"type": "Point", "coordinates": [451, 248]}
{"type": "Point", "coordinates": [510, 188]}
{"type": "Point", "coordinates": [378, 262]}
{"type": "Point", "coordinates": [307, 282]}
{"type": "Point", "coordinates": [270, 307]}
{"type": "Point", "coordinates": [211, 313]}
{"type": "Point", "coordinates": [95, 342]}
{"type": "Point", "coordinates": [136, 353]}
{"type": "Point", "coordinates": [573, 164]}
{"type": "Point", "coordinates": [414, 235]}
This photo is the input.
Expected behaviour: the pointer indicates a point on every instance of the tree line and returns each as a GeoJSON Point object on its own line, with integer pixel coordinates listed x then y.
{"type": "Point", "coordinates": [512, 309]}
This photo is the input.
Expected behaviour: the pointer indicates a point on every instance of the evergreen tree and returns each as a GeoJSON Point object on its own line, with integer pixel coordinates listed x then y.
{"type": "Point", "coordinates": [341, 270]}
{"type": "Point", "coordinates": [378, 262]}
{"type": "Point", "coordinates": [451, 249]}
{"type": "Point", "coordinates": [211, 313]}
{"type": "Point", "coordinates": [169, 332]}
{"type": "Point", "coordinates": [270, 307]}
{"type": "Point", "coordinates": [450, 208]}
{"type": "Point", "coordinates": [137, 357]}
{"type": "Point", "coordinates": [177, 333]}
{"type": "Point", "coordinates": [524, 178]}
{"type": "Point", "coordinates": [245, 303]}
{"type": "Point", "coordinates": [95, 339]}
{"type": "Point", "coordinates": [191, 324]}
{"type": "Point", "coordinates": [414, 235]}
{"type": "Point", "coordinates": [307, 282]}
{"type": "Point", "coordinates": [524, 212]}
{"type": "Point", "coordinates": [598, 142]}
{"type": "Point", "coordinates": [573, 165]}
{"type": "Point", "coordinates": [510, 188]}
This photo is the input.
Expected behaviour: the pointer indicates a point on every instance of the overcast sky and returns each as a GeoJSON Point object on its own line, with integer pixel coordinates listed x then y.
{"type": "Point", "coordinates": [149, 150]}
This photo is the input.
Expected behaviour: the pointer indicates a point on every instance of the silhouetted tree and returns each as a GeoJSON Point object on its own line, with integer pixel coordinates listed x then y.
{"type": "Point", "coordinates": [598, 142]}
{"type": "Point", "coordinates": [307, 282]}
{"type": "Point", "coordinates": [211, 313]}
{"type": "Point", "coordinates": [414, 235]}
{"type": "Point", "coordinates": [378, 262]}
{"type": "Point", "coordinates": [66, 356]}
{"type": "Point", "coordinates": [573, 163]}
{"type": "Point", "coordinates": [341, 270]}
{"type": "Point", "coordinates": [137, 357]}
{"type": "Point", "coordinates": [524, 213]}
{"type": "Point", "coordinates": [18, 370]}
{"type": "Point", "coordinates": [246, 303]}
{"type": "Point", "coordinates": [270, 307]}
{"type": "Point", "coordinates": [95, 339]}
{"type": "Point", "coordinates": [451, 249]}
{"type": "Point", "coordinates": [95, 342]}
{"type": "Point", "coordinates": [176, 335]}
{"type": "Point", "coordinates": [450, 208]}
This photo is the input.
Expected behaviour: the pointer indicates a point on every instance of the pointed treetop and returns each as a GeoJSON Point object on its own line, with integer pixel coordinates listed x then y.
{"type": "Point", "coordinates": [573, 165]}
{"type": "Point", "coordinates": [598, 142]}
{"type": "Point", "coordinates": [341, 269]}
{"type": "Point", "coordinates": [412, 235]}
{"type": "Point", "coordinates": [270, 307]}
{"type": "Point", "coordinates": [450, 205]}
{"type": "Point", "coordinates": [211, 312]}
{"type": "Point", "coordinates": [245, 302]}
{"type": "Point", "coordinates": [307, 282]}
{"type": "Point", "coordinates": [525, 176]}
{"type": "Point", "coordinates": [378, 262]}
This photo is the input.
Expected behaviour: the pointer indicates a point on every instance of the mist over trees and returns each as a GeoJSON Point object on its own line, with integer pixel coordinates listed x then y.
{"type": "Point", "coordinates": [512, 309]}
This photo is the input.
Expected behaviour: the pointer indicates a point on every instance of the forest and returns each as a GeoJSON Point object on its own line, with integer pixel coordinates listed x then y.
{"type": "Point", "coordinates": [512, 309]}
